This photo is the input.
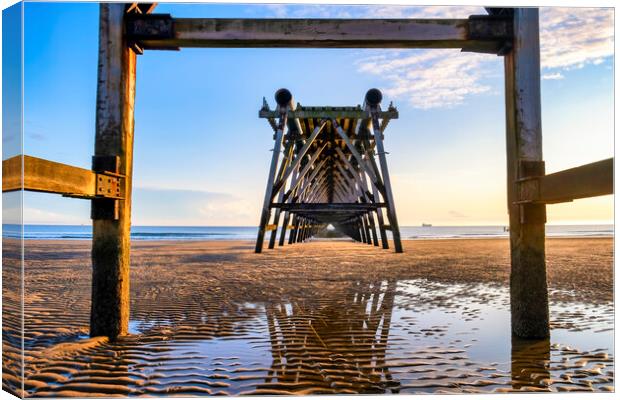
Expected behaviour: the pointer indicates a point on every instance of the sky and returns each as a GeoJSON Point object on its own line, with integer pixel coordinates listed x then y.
{"type": "Point", "coordinates": [201, 154]}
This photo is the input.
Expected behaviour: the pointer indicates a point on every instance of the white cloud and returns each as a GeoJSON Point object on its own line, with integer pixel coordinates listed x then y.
{"type": "Point", "coordinates": [370, 11]}
{"type": "Point", "coordinates": [553, 76]}
{"type": "Point", "coordinates": [573, 37]}
{"type": "Point", "coordinates": [570, 38]}
{"type": "Point", "coordinates": [430, 78]}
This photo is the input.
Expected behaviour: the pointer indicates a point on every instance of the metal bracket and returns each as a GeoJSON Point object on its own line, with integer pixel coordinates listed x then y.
{"type": "Point", "coordinates": [141, 27]}
{"type": "Point", "coordinates": [109, 188]}
{"type": "Point", "coordinates": [493, 29]}
{"type": "Point", "coordinates": [109, 185]}
{"type": "Point", "coordinates": [530, 210]}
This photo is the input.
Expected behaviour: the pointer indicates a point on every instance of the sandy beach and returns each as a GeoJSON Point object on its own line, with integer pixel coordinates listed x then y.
{"type": "Point", "coordinates": [319, 317]}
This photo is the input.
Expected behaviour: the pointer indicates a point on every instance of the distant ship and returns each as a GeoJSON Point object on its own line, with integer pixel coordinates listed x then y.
{"type": "Point", "coordinates": [426, 225]}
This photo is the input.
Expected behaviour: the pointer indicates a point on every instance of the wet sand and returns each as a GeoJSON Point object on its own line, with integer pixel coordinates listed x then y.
{"type": "Point", "coordinates": [319, 317]}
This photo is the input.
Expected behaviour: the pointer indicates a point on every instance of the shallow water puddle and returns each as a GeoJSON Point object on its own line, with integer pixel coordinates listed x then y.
{"type": "Point", "coordinates": [410, 336]}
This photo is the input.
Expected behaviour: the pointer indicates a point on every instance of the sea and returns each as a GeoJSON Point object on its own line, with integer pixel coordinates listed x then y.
{"type": "Point", "coordinates": [84, 232]}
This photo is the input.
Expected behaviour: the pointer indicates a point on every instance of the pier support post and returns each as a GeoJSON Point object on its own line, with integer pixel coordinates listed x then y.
{"type": "Point", "coordinates": [266, 211]}
{"type": "Point", "coordinates": [389, 197]}
{"type": "Point", "coordinates": [113, 151]}
{"type": "Point", "coordinates": [528, 279]}
{"type": "Point", "coordinates": [380, 221]}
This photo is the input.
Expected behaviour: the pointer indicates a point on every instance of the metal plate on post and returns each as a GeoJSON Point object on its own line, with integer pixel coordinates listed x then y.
{"type": "Point", "coordinates": [106, 208]}
{"type": "Point", "coordinates": [532, 213]}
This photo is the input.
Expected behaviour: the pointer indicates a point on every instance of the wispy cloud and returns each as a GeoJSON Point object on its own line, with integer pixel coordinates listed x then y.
{"type": "Point", "coordinates": [553, 76]}
{"type": "Point", "coordinates": [428, 79]}
{"type": "Point", "coordinates": [370, 11]}
{"type": "Point", "coordinates": [573, 37]}
{"type": "Point", "coordinates": [570, 38]}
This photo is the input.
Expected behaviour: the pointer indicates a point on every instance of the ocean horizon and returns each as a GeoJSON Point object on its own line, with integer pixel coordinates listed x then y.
{"type": "Point", "coordinates": [84, 232]}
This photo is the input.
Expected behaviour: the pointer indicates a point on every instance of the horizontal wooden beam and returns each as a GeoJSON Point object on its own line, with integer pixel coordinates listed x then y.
{"type": "Point", "coordinates": [590, 180]}
{"type": "Point", "coordinates": [484, 33]}
{"type": "Point", "coordinates": [41, 175]}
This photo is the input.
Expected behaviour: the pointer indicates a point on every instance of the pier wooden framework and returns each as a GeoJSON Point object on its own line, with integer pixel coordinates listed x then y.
{"type": "Point", "coordinates": [328, 173]}
{"type": "Point", "coordinates": [126, 30]}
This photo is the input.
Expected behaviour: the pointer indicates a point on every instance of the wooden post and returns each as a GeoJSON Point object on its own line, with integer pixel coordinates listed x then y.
{"type": "Point", "coordinates": [387, 186]}
{"type": "Point", "coordinates": [287, 218]}
{"type": "Point", "coordinates": [276, 218]}
{"type": "Point", "coordinates": [293, 233]}
{"type": "Point", "coordinates": [367, 228]}
{"type": "Point", "coordinates": [528, 279]}
{"type": "Point", "coordinates": [264, 219]}
{"type": "Point", "coordinates": [373, 229]}
{"type": "Point", "coordinates": [113, 151]}
{"type": "Point", "coordinates": [379, 211]}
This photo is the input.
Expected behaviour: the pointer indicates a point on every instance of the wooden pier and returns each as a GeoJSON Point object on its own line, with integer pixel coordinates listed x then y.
{"type": "Point", "coordinates": [126, 30]}
{"type": "Point", "coordinates": [326, 172]}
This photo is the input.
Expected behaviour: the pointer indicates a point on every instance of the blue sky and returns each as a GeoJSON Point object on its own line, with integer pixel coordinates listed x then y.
{"type": "Point", "coordinates": [202, 154]}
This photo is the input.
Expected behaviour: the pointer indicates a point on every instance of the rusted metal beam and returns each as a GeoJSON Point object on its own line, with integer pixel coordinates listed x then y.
{"type": "Point", "coordinates": [52, 177]}
{"type": "Point", "coordinates": [329, 113]}
{"type": "Point", "coordinates": [590, 180]}
{"type": "Point", "coordinates": [331, 207]}
{"type": "Point", "coordinates": [483, 33]}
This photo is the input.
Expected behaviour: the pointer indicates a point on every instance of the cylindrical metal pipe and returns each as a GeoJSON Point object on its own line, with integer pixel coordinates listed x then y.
{"type": "Point", "coordinates": [373, 97]}
{"type": "Point", "coordinates": [284, 98]}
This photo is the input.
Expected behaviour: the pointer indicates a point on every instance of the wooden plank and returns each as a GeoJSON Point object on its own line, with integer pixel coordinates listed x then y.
{"type": "Point", "coordinates": [484, 33]}
{"type": "Point", "coordinates": [114, 138]}
{"type": "Point", "coordinates": [590, 180]}
{"type": "Point", "coordinates": [528, 279]}
{"type": "Point", "coordinates": [52, 177]}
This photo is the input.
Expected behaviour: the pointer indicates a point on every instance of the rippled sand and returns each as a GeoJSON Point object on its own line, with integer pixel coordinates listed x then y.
{"type": "Point", "coordinates": [320, 317]}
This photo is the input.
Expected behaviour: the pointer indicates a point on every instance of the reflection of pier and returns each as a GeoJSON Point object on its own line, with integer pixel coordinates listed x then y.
{"type": "Point", "coordinates": [337, 345]}
{"type": "Point", "coordinates": [530, 362]}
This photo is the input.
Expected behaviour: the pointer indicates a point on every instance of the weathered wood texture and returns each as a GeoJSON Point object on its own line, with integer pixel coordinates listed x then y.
{"type": "Point", "coordinates": [478, 33]}
{"type": "Point", "coordinates": [114, 138]}
{"type": "Point", "coordinates": [528, 278]}
{"type": "Point", "coordinates": [590, 180]}
{"type": "Point", "coordinates": [41, 175]}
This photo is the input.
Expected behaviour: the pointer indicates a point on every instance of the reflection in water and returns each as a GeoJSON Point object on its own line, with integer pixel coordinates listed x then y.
{"type": "Point", "coordinates": [219, 327]}
{"type": "Point", "coordinates": [337, 344]}
{"type": "Point", "coordinates": [530, 363]}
